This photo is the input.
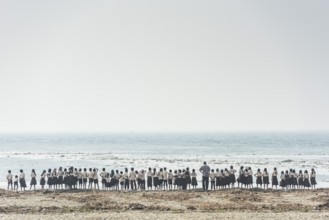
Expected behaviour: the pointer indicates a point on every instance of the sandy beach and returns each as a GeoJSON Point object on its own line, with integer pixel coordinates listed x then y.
{"type": "Point", "coordinates": [224, 204]}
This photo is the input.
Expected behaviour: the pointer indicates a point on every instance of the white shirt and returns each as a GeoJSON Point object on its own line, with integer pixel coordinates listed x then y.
{"type": "Point", "coordinates": [9, 176]}
{"type": "Point", "coordinates": [22, 176]}
{"type": "Point", "coordinates": [165, 174]}
{"type": "Point", "coordinates": [132, 176]}
{"type": "Point", "coordinates": [212, 176]}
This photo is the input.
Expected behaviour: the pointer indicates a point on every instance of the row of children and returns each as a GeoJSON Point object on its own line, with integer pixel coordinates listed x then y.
{"type": "Point", "coordinates": [288, 179]}
{"type": "Point", "coordinates": [73, 178]}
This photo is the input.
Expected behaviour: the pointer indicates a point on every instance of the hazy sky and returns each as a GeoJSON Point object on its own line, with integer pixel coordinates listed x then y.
{"type": "Point", "coordinates": [164, 65]}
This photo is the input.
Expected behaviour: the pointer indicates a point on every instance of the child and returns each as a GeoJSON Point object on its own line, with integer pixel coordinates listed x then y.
{"type": "Point", "coordinates": [43, 179]}
{"type": "Point", "coordinates": [250, 179]}
{"type": "Point", "coordinates": [265, 178]}
{"type": "Point", "coordinates": [306, 180]}
{"type": "Point", "coordinates": [258, 176]}
{"type": "Point", "coordinates": [188, 177]}
{"type": "Point", "coordinates": [313, 181]}
{"type": "Point", "coordinates": [170, 179]}
{"type": "Point", "coordinates": [194, 180]}
{"type": "Point", "coordinates": [275, 178]}
{"type": "Point", "coordinates": [54, 180]}
{"type": "Point", "coordinates": [300, 179]}
{"type": "Point", "coordinates": [132, 179]}
{"type": "Point", "coordinates": [103, 175]}
{"type": "Point", "coordinates": [175, 177]}
{"type": "Point", "coordinates": [232, 176]}
{"type": "Point", "coordinates": [22, 180]}
{"type": "Point", "coordinates": [33, 179]}
{"type": "Point", "coordinates": [212, 177]}
{"type": "Point", "coordinates": [155, 179]}
{"type": "Point", "coordinates": [49, 179]}
{"type": "Point", "coordinates": [141, 176]}
{"type": "Point", "coordinates": [160, 176]}
{"type": "Point", "coordinates": [84, 178]}
{"type": "Point", "coordinates": [16, 183]}
{"type": "Point", "coordinates": [241, 177]}
{"type": "Point", "coordinates": [95, 170]}
{"type": "Point", "coordinates": [149, 179]}
{"type": "Point", "coordinates": [90, 178]}
{"type": "Point", "coordinates": [246, 178]}
{"type": "Point", "coordinates": [227, 182]}
{"type": "Point", "coordinates": [287, 179]}
{"type": "Point", "coordinates": [10, 180]}
{"type": "Point", "coordinates": [121, 180]}
{"type": "Point", "coordinates": [126, 178]}
{"type": "Point", "coordinates": [282, 180]}
{"type": "Point", "coordinates": [60, 179]}
{"type": "Point", "coordinates": [79, 177]}
{"type": "Point", "coordinates": [218, 175]}
{"type": "Point", "coordinates": [165, 178]}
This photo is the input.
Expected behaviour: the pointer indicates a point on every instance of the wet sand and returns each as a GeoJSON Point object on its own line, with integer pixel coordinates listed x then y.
{"type": "Point", "coordinates": [223, 204]}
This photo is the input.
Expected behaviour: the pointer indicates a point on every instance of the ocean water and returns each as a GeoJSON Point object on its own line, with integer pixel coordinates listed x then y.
{"type": "Point", "coordinates": [299, 151]}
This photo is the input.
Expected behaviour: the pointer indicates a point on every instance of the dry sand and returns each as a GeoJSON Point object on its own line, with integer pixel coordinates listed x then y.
{"type": "Point", "coordinates": [224, 204]}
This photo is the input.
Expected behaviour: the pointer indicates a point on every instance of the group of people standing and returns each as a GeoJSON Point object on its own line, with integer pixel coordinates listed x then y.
{"type": "Point", "coordinates": [161, 179]}
{"type": "Point", "coordinates": [226, 178]}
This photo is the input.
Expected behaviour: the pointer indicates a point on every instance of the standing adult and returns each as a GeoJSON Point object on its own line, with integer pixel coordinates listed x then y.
{"type": "Point", "coordinates": [205, 170]}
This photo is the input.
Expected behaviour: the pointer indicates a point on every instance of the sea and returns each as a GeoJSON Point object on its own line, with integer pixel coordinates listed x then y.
{"type": "Point", "coordinates": [116, 151]}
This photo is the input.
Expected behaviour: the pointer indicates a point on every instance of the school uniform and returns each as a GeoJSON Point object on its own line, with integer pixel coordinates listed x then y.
{"type": "Point", "coordinates": [155, 179]}
{"type": "Point", "coordinates": [250, 179]}
{"type": "Point", "coordinates": [15, 182]}
{"type": "Point", "coordinates": [121, 181]}
{"type": "Point", "coordinates": [274, 178]}
{"type": "Point", "coordinates": [132, 179]}
{"type": "Point", "coordinates": [259, 178]}
{"type": "Point", "coordinates": [265, 178]}
{"type": "Point", "coordinates": [232, 175]}
{"type": "Point", "coordinates": [149, 175]}
{"type": "Point", "coordinates": [79, 177]}
{"type": "Point", "coordinates": [241, 177]}
{"type": "Point", "coordinates": [49, 179]}
{"type": "Point", "coordinates": [188, 177]}
{"type": "Point", "coordinates": [91, 177]}
{"type": "Point", "coordinates": [116, 179]}
{"type": "Point", "coordinates": [43, 179]}
{"type": "Point", "coordinates": [222, 179]}
{"type": "Point", "coordinates": [313, 181]}
{"type": "Point", "coordinates": [141, 176]}
{"type": "Point", "coordinates": [246, 178]}
{"type": "Point", "coordinates": [54, 180]}
{"type": "Point", "coordinates": [212, 177]}
{"type": "Point", "coordinates": [175, 176]}
{"type": "Point", "coordinates": [103, 176]}
{"type": "Point", "coordinates": [217, 178]}
{"type": "Point", "coordinates": [300, 179]}
{"type": "Point", "coordinates": [282, 180]}
{"type": "Point", "coordinates": [170, 178]}
{"type": "Point", "coordinates": [10, 179]}
{"type": "Point", "coordinates": [287, 179]}
{"type": "Point", "coordinates": [165, 177]}
{"type": "Point", "coordinates": [306, 180]}
{"type": "Point", "coordinates": [84, 177]}
{"type": "Point", "coordinates": [33, 179]}
{"type": "Point", "coordinates": [95, 177]}
{"type": "Point", "coordinates": [126, 180]}
{"type": "Point", "coordinates": [290, 180]}
{"type": "Point", "coordinates": [179, 179]}
{"type": "Point", "coordinates": [194, 180]}
{"type": "Point", "coordinates": [60, 179]}
{"type": "Point", "coordinates": [22, 180]}
{"type": "Point", "coordinates": [295, 182]}
{"type": "Point", "coordinates": [226, 178]}
{"type": "Point", "coordinates": [160, 177]}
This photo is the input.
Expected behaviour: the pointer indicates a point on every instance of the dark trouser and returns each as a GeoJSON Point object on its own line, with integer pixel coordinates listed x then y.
{"type": "Point", "coordinates": [133, 184]}
{"type": "Point", "coordinates": [205, 182]}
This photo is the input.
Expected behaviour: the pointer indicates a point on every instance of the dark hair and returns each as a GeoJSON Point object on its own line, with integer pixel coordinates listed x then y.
{"type": "Point", "coordinates": [103, 169]}
{"type": "Point", "coordinates": [204, 162]}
